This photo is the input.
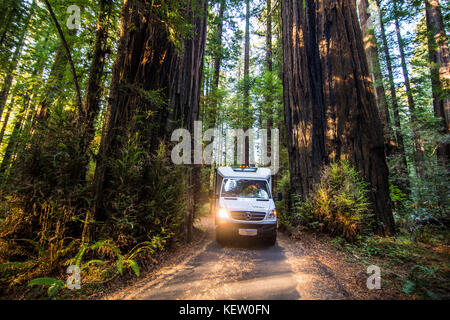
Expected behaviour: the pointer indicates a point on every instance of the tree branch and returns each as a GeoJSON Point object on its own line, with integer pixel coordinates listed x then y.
{"type": "Point", "coordinates": [69, 56]}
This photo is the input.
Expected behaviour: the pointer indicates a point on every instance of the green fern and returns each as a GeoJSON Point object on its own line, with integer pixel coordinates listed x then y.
{"type": "Point", "coordinates": [134, 266]}
{"type": "Point", "coordinates": [35, 244]}
{"type": "Point", "coordinates": [54, 285]}
{"type": "Point", "coordinates": [119, 264]}
{"type": "Point", "coordinates": [91, 262]}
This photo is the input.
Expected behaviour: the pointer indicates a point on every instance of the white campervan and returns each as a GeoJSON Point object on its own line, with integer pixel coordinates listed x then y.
{"type": "Point", "coordinates": [243, 204]}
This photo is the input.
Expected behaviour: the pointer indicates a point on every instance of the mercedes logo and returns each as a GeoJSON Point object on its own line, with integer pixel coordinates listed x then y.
{"type": "Point", "coordinates": [248, 215]}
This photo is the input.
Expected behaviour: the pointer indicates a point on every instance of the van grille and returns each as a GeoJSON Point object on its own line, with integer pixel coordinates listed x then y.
{"type": "Point", "coordinates": [248, 215]}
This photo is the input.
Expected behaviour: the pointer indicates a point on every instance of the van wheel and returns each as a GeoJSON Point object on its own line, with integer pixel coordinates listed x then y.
{"type": "Point", "coordinates": [220, 238]}
{"type": "Point", "coordinates": [271, 241]}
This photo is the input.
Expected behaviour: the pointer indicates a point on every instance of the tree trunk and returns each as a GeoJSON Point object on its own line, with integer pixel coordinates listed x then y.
{"type": "Point", "coordinates": [4, 93]}
{"type": "Point", "coordinates": [12, 141]}
{"type": "Point", "coordinates": [93, 89]}
{"type": "Point", "coordinates": [147, 61]}
{"type": "Point", "coordinates": [370, 46]}
{"type": "Point", "coordinates": [411, 105]}
{"type": "Point", "coordinates": [68, 54]}
{"type": "Point", "coordinates": [218, 59]}
{"type": "Point", "coordinates": [440, 72]}
{"type": "Point", "coordinates": [399, 149]}
{"type": "Point", "coordinates": [268, 98]}
{"type": "Point", "coordinates": [247, 81]}
{"type": "Point", "coordinates": [305, 137]}
{"type": "Point", "coordinates": [184, 99]}
{"type": "Point", "coordinates": [353, 129]}
{"type": "Point", "coordinates": [93, 95]}
{"type": "Point", "coordinates": [10, 15]}
{"type": "Point", "coordinates": [5, 123]}
{"type": "Point", "coordinates": [52, 87]}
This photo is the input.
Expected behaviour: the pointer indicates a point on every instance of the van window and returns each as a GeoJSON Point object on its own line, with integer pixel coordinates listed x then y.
{"type": "Point", "coordinates": [244, 188]}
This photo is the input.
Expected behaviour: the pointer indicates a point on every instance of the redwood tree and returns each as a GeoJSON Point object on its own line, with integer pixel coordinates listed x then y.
{"type": "Point", "coordinates": [371, 48]}
{"type": "Point", "coordinates": [330, 105]}
{"type": "Point", "coordinates": [440, 71]}
{"type": "Point", "coordinates": [157, 72]}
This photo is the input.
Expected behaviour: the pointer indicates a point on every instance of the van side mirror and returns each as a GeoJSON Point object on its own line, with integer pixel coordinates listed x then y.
{"type": "Point", "coordinates": [279, 196]}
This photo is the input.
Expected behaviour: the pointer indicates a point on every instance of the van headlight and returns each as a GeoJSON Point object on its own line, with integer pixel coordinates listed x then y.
{"type": "Point", "coordinates": [272, 215]}
{"type": "Point", "coordinates": [223, 213]}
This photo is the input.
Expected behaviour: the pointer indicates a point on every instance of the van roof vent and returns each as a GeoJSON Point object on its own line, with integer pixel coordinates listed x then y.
{"type": "Point", "coordinates": [244, 169]}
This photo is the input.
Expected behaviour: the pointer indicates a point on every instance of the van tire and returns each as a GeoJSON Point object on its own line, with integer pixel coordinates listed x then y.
{"type": "Point", "coordinates": [220, 238]}
{"type": "Point", "coordinates": [271, 241]}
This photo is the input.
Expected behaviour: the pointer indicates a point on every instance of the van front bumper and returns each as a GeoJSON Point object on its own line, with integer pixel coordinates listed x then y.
{"type": "Point", "coordinates": [264, 230]}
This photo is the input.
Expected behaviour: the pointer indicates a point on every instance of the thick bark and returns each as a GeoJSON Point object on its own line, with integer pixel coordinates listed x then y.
{"type": "Point", "coordinates": [370, 46]}
{"type": "Point", "coordinates": [352, 129]}
{"type": "Point", "coordinates": [184, 100]}
{"type": "Point", "coordinates": [305, 138]}
{"type": "Point", "coordinates": [147, 61]}
{"type": "Point", "coordinates": [440, 71]}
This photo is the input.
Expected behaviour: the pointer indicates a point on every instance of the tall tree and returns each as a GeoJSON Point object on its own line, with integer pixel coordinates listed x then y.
{"type": "Point", "coordinates": [269, 101]}
{"type": "Point", "coordinates": [91, 105]}
{"type": "Point", "coordinates": [218, 55]}
{"type": "Point", "coordinates": [403, 184]}
{"type": "Point", "coordinates": [5, 123]}
{"type": "Point", "coordinates": [411, 105]}
{"type": "Point", "coordinates": [68, 56]}
{"type": "Point", "coordinates": [247, 80]}
{"type": "Point", "coordinates": [440, 71]}
{"type": "Point", "coordinates": [345, 117]}
{"type": "Point", "coordinates": [149, 67]}
{"type": "Point", "coordinates": [38, 69]}
{"type": "Point", "coordinates": [15, 60]}
{"type": "Point", "coordinates": [269, 64]}
{"type": "Point", "coordinates": [370, 46]}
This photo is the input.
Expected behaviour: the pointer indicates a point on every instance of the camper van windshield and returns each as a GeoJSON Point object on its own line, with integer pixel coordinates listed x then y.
{"type": "Point", "coordinates": [244, 188]}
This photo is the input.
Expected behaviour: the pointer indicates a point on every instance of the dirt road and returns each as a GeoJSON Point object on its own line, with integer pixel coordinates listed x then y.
{"type": "Point", "coordinates": [240, 271]}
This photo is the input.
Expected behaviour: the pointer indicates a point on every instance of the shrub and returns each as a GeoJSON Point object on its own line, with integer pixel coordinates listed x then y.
{"type": "Point", "coordinates": [338, 204]}
{"type": "Point", "coordinates": [44, 198]}
{"type": "Point", "coordinates": [420, 281]}
{"type": "Point", "coordinates": [284, 187]}
{"type": "Point", "coordinates": [147, 198]}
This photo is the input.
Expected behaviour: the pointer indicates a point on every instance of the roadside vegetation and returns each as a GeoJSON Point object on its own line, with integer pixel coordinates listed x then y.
{"type": "Point", "coordinates": [415, 261]}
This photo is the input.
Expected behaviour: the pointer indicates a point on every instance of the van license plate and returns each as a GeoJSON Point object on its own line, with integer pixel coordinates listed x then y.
{"type": "Point", "coordinates": [248, 232]}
